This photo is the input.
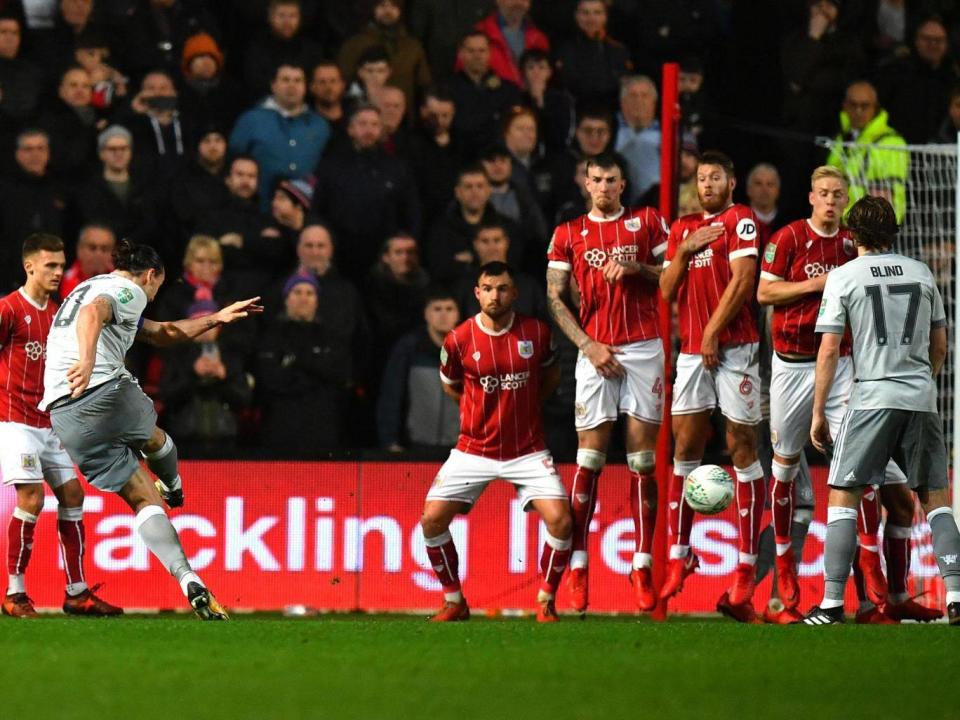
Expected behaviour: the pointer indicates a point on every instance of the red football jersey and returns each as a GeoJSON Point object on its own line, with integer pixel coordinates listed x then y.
{"type": "Point", "coordinates": [500, 372]}
{"type": "Point", "coordinates": [24, 326]}
{"type": "Point", "coordinates": [708, 274]}
{"type": "Point", "coordinates": [627, 311]}
{"type": "Point", "coordinates": [799, 252]}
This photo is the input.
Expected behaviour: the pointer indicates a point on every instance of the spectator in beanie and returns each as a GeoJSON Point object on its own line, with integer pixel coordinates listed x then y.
{"type": "Point", "coordinates": [303, 372]}
{"type": "Point", "coordinates": [94, 257]}
{"type": "Point", "coordinates": [282, 134]}
{"type": "Point", "coordinates": [410, 70]}
{"type": "Point", "coordinates": [275, 248]}
{"type": "Point", "coordinates": [208, 96]}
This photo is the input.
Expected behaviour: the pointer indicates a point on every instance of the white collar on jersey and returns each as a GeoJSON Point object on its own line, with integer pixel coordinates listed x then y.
{"type": "Point", "coordinates": [608, 218]}
{"type": "Point", "coordinates": [820, 232]}
{"type": "Point", "coordinates": [707, 216]}
{"type": "Point", "coordinates": [33, 302]}
{"type": "Point", "coordinates": [495, 333]}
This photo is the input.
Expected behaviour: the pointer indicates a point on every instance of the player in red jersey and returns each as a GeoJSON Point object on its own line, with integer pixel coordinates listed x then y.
{"type": "Point", "coordinates": [793, 272]}
{"type": "Point", "coordinates": [709, 270]}
{"type": "Point", "coordinates": [614, 255]}
{"type": "Point", "coordinates": [29, 451]}
{"type": "Point", "coordinates": [499, 366]}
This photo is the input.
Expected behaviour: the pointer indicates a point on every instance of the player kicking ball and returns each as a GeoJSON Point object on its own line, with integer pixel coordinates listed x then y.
{"type": "Point", "coordinates": [793, 272]}
{"type": "Point", "coordinates": [614, 254]}
{"type": "Point", "coordinates": [29, 451]}
{"type": "Point", "coordinates": [499, 366]}
{"type": "Point", "coordinates": [893, 308]}
{"type": "Point", "coordinates": [709, 271]}
{"type": "Point", "coordinates": [101, 415]}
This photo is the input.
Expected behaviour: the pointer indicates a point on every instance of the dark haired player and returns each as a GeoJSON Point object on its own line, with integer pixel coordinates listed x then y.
{"type": "Point", "coordinates": [899, 328]}
{"type": "Point", "coordinates": [614, 254]}
{"type": "Point", "coordinates": [500, 367]}
{"type": "Point", "coordinates": [709, 271]}
{"type": "Point", "coordinates": [101, 415]}
{"type": "Point", "coordinates": [29, 451]}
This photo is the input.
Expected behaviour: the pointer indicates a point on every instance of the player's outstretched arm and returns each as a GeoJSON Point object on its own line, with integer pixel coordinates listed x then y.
{"type": "Point", "coordinates": [827, 358]}
{"type": "Point", "coordinates": [676, 270]}
{"type": "Point", "coordinates": [90, 321]}
{"type": "Point", "coordinates": [162, 334]}
{"type": "Point", "coordinates": [782, 292]}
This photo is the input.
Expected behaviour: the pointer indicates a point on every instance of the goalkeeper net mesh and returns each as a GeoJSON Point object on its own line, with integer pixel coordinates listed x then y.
{"type": "Point", "coordinates": [921, 182]}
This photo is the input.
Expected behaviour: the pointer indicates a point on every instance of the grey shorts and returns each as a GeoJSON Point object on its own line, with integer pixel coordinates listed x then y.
{"type": "Point", "coordinates": [104, 431]}
{"type": "Point", "coordinates": [868, 439]}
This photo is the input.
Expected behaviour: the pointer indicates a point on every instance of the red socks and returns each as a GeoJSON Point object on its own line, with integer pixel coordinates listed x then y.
{"type": "Point", "coordinates": [782, 503]}
{"type": "Point", "coordinates": [20, 542]}
{"type": "Point", "coordinates": [72, 545]}
{"type": "Point", "coordinates": [750, 499]}
{"type": "Point", "coordinates": [583, 497]}
{"type": "Point", "coordinates": [445, 561]}
{"type": "Point", "coordinates": [896, 551]}
{"type": "Point", "coordinates": [869, 523]}
{"type": "Point", "coordinates": [553, 561]}
{"type": "Point", "coordinates": [643, 506]}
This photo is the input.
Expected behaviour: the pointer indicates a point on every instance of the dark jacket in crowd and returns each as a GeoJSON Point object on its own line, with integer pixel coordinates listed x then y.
{"type": "Point", "coordinates": [30, 204]}
{"type": "Point", "coordinates": [452, 234]}
{"type": "Point", "coordinates": [216, 104]}
{"type": "Point", "coordinates": [132, 217]}
{"type": "Point", "coordinates": [73, 141]}
{"type": "Point", "coordinates": [412, 409]}
{"type": "Point", "coordinates": [441, 23]}
{"type": "Point", "coordinates": [303, 371]}
{"type": "Point", "coordinates": [153, 37]}
{"type": "Point", "coordinates": [195, 193]}
{"type": "Point", "coordinates": [394, 308]}
{"type": "Point", "coordinates": [244, 218]}
{"type": "Point", "coordinates": [435, 170]}
{"type": "Point", "coordinates": [916, 95]}
{"type": "Point", "coordinates": [365, 196]}
{"type": "Point", "coordinates": [591, 68]}
{"type": "Point", "coordinates": [480, 108]}
{"type": "Point", "coordinates": [555, 120]}
{"type": "Point", "coordinates": [265, 52]}
{"type": "Point", "coordinates": [409, 68]}
{"type": "Point", "coordinates": [160, 151]}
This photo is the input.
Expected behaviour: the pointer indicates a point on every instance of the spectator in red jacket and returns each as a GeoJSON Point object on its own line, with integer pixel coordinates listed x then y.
{"type": "Point", "coordinates": [511, 33]}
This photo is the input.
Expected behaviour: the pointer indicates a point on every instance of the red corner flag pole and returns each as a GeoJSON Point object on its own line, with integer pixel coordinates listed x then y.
{"type": "Point", "coordinates": [669, 160]}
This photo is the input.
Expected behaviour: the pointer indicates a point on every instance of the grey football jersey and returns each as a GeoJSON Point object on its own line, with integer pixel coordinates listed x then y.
{"type": "Point", "coordinates": [63, 348]}
{"type": "Point", "coordinates": [891, 303]}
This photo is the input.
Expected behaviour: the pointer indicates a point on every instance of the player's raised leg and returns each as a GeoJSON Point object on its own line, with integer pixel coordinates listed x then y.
{"type": "Point", "coordinates": [160, 453]}
{"type": "Point", "coordinates": [555, 555]}
{"type": "Point", "coordinates": [689, 433]}
{"type": "Point", "coordinates": [641, 460]}
{"type": "Point", "coordinates": [79, 599]}
{"type": "Point", "coordinates": [20, 531]}
{"type": "Point", "coordinates": [160, 537]}
{"type": "Point", "coordinates": [435, 523]}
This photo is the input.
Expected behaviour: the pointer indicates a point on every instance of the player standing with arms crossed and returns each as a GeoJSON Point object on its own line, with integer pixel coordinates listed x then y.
{"type": "Point", "coordinates": [793, 272]}
{"type": "Point", "coordinates": [29, 451]}
{"type": "Point", "coordinates": [614, 254]}
{"type": "Point", "coordinates": [499, 366]}
{"type": "Point", "coordinates": [101, 415]}
{"type": "Point", "coordinates": [709, 270]}
{"type": "Point", "coordinates": [893, 308]}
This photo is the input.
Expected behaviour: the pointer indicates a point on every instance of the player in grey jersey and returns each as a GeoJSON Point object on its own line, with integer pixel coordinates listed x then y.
{"type": "Point", "coordinates": [101, 415]}
{"type": "Point", "coordinates": [898, 323]}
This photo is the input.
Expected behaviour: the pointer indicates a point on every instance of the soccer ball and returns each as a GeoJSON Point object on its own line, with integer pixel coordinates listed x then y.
{"type": "Point", "coordinates": [708, 489]}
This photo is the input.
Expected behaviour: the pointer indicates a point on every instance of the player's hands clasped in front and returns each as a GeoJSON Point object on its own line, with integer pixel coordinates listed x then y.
{"type": "Point", "coordinates": [604, 359]}
{"type": "Point", "coordinates": [79, 377]}
{"type": "Point", "coordinates": [239, 310]}
{"type": "Point", "coordinates": [820, 433]}
{"type": "Point", "coordinates": [700, 238]}
{"type": "Point", "coordinates": [616, 270]}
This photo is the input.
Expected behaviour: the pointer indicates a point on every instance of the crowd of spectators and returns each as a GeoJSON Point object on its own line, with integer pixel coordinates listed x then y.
{"type": "Point", "coordinates": [353, 163]}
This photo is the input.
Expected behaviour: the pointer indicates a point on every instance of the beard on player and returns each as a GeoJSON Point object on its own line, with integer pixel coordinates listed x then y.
{"type": "Point", "coordinates": [495, 307]}
{"type": "Point", "coordinates": [714, 198]}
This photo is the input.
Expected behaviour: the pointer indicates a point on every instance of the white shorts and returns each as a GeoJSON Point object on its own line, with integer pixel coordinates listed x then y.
{"type": "Point", "coordinates": [791, 407]}
{"type": "Point", "coordinates": [32, 455]}
{"type": "Point", "coordinates": [734, 386]}
{"type": "Point", "coordinates": [464, 477]}
{"type": "Point", "coordinates": [639, 394]}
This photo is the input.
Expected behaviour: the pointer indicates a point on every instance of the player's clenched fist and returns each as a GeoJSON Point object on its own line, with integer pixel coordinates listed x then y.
{"type": "Point", "coordinates": [604, 359]}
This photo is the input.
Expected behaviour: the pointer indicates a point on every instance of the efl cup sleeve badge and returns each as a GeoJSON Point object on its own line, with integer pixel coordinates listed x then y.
{"type": "Point", "coordinates": [770, 254]}
{"type": "Point", "coordinates": [632, 224]}
{"type": "Point", "coordinates": [525, 348]}
{"type": "Point", "coordinates": [124, 295]}
{"type": "Point", "coordinates": [443, 356]}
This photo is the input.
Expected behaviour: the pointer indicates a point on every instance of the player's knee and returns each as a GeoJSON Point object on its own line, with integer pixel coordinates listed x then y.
{"type": "Point", "coordinates": [30, 498]}
{"type": "Point", "coordinates": [156, 442]}
{"type": "Point", "coordinates": [591, 459]}
{"type": "Point", "coordinates": [642, 462]}
{"type": "Point", "coordinates": [433, 524]}
{"type": "Point", "coordinates": [70, 495]}
{"type": "Point", "coordinates": [899, 508]}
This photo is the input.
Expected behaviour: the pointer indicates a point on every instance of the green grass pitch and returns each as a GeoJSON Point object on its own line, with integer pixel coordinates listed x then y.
{"type": "Point", "coordinates": [139, 668]}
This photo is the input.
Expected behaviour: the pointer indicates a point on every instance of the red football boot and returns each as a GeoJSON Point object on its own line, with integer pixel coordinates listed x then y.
{"type": "Point", "coordinates": [452, 612]}
{"type": "Point", "coordinates": [874, 616]}
{"type": "Point", "coordinates": [18, 605]}
{"type": "Point", "coordinates": [579, 587]}
{"type": "Point", "coordinates": [875, 584]}
{"type": "Point", "coordinates": [744, 582]}
{"type": "Point", "coordinates": [677, 571]}
{"type": "Point", "coordinates": [741, 612]}
{"type": "Point", "coordinates": [910, 609]}
{"type": "Point", "coordinates": [87, 603]}
{"type": "Point", "coordinates": [643, 589]}
{"type": "Point", "coordinates": [788, 587]}
{"type": "Point", "coordinates": [546, 609]}
{"type": "Point", "coordinates": [776, 614]}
